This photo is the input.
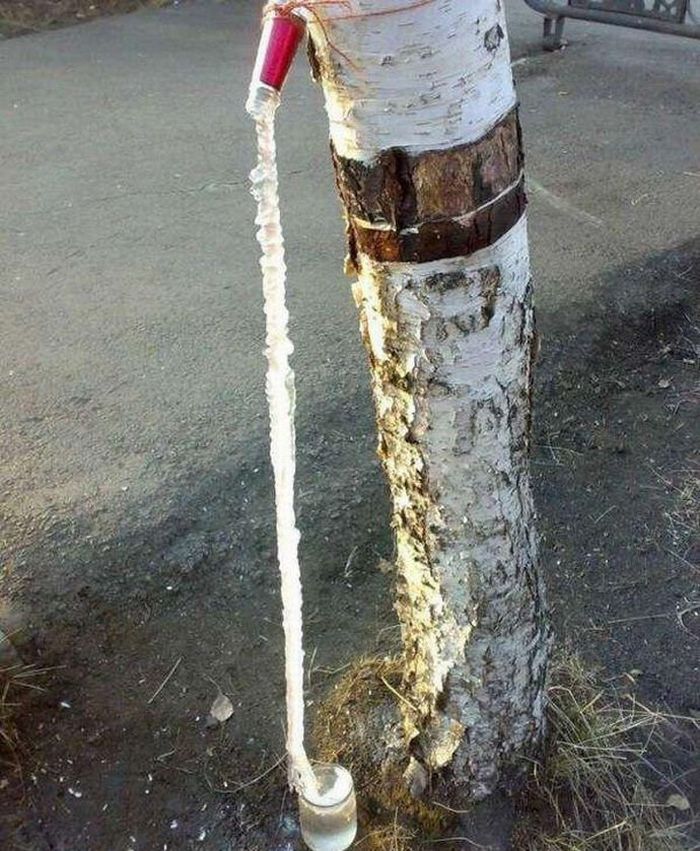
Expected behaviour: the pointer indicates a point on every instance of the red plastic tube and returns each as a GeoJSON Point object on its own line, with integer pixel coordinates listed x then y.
{"type": "Point", "coordinates": [280, 39]}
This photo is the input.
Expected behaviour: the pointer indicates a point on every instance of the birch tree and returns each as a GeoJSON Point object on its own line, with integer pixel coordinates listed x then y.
{"type": "Point", "coordinates": [427, 151]}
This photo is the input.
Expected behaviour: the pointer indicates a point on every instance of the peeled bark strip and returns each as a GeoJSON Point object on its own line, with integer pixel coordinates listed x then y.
{"type": "Point", "coordinates": [427, 151]}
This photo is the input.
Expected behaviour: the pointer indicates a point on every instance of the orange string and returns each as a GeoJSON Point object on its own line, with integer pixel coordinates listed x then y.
{"type": "Point", "coordinates": [415, 5]}
{"type": "Point", "coordinates": [288, 8]}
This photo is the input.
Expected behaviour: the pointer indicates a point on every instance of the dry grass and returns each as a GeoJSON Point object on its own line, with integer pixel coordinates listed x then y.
{"type": "Point", "coordinates": [9, 740]}
{"type": "Point", "coordinates": [684, 517]}
{"type": "Point", "coordinates": [589, 794]}
{"type": "Point", "coordinates": [392, 837]}
{"type": "Point", "coordinates": [344, 725]}
{"type": "Point", "coordinates": [19, 17]}
{"type": "Point", "coordinates": [15, 680]}
{"type": "Point", "coordinates": [359, 725]}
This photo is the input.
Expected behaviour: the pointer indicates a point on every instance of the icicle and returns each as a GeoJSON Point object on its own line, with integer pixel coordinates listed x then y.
{"type": "Point", "coordinates": [281, 398]}
{"type": "Point", "coordinates": [327, 806]}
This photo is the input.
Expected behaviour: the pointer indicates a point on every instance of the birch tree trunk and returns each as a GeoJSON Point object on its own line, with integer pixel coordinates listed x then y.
{"type": "Point", "coordinates": [427, 152]}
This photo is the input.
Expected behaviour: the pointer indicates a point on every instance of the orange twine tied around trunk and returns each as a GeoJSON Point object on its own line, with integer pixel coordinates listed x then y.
{"type": "Point", "coordinates": [289, 7]}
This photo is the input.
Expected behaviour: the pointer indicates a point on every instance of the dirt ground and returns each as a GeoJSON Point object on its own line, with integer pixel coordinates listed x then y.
{"type": "Point", "coordinates": [144, 615]}
{"type": "Point", "coordinates": [107, 761]}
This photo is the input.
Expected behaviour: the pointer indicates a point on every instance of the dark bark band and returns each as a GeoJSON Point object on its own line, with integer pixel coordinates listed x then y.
{"type": "Point", "coordinates": [447, 203]}
{"type": "Point", "coordinates": [440, 239]}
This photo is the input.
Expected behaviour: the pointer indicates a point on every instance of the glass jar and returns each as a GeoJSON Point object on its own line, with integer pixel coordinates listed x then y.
{"type": "Point", "coordinates": [328, 815]}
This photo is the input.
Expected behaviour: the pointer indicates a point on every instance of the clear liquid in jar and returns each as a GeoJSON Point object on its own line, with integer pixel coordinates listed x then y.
{"type": "Point", "coordinates": [329, 816]}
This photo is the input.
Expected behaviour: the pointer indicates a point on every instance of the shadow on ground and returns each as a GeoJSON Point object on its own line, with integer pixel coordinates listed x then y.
{"type": "Point", "coordinates": [110, 756]}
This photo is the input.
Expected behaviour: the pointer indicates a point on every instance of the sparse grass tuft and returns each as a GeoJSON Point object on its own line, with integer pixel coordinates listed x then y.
{"type": "Point", "coordinates": [684, 518]}
{"type": "Point", "coordinates": [589, 793]}
{"type": "Point", "coordinates": [15, 679]}
{"type": "Point", "coordinates": [9, 741]}
{"type": "Point", "coordinates": [392, 837]}
{"type": "Point", "coordinates": [344, 728]}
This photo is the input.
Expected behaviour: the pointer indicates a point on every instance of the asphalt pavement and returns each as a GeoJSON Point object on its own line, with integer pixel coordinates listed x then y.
{"type": "Point", "coordinates": [132, 326]}
{"type": "Point", "coordinates": [134, 487]}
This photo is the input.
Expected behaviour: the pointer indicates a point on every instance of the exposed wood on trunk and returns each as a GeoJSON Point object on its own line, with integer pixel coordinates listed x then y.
{"type": "Point", "coordinates": [403, 189]}
{"type": "Point", "coordinates": [436, 239]}
{"type": "Point", "coordinates": [425, 206]}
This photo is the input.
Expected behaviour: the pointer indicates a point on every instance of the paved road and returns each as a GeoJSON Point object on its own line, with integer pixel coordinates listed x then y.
{"type": "Point", "coordinates": [132, 416]}
{"type": "Point", "coordinates": [131, 323]}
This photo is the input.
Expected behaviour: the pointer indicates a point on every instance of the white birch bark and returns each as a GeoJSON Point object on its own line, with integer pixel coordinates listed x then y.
{"type": "Point", "coordinates": [420, 77]}
{"type": "Point", "coordinates": [451, 347]}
